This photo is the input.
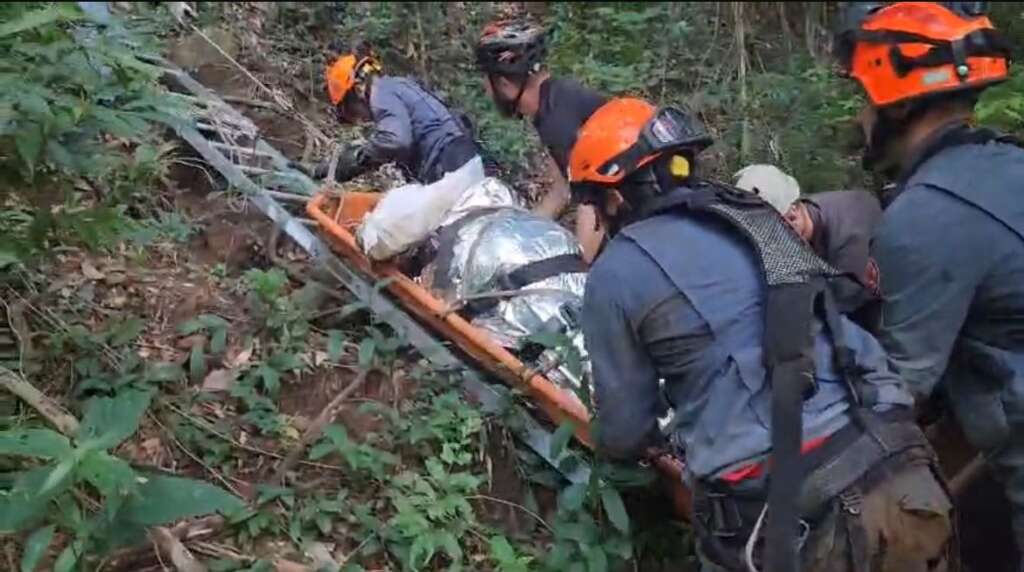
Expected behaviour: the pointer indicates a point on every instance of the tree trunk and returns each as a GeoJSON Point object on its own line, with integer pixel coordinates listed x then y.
{"type": "Point", "coordinates": [811, 29]}
{"type": "Point", "coordinates": [741, 50]}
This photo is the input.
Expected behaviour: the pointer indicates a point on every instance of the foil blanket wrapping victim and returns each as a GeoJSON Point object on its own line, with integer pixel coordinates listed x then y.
{"type": "Point", "coordinates": [497, 243]}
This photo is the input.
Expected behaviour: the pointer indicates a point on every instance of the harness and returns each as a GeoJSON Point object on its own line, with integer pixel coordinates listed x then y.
{"type": "Point", "coordinates": [797, 291]}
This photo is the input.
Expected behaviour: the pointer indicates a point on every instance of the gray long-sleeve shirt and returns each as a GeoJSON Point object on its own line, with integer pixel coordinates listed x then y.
{"type": "Point", "coordinates": [843, 224]}
{"type": "Point", "coordinates": [950, 250]}
{"type": "Point", "coordinates": [414, 128]}
{"type": "Point", "coordinates": [681, 298]}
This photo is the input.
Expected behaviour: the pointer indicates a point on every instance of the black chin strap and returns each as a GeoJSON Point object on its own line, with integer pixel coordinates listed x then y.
{"type": "Point", "coordinates": [506, 107]}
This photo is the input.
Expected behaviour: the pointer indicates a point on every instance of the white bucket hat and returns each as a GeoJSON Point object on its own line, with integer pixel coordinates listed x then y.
{"type": "Point", "coordinates": [771, 184]}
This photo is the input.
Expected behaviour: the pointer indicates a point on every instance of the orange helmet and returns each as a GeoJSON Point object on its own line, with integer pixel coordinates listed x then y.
{"type": "Point", "coordinates": [907, 50]}
{"type": "Point", "coordinates": [346, 72]}
{"type": "Point", "coordinates": [626, 134]}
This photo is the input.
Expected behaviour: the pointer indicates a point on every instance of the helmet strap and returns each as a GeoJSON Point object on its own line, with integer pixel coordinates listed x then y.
{"type": "Point", "coordinates": [508, 107]}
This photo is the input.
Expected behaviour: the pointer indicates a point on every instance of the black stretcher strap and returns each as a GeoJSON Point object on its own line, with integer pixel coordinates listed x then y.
{"type": "Point", "coordinates": [447, 236]}
{"type": "Point", "coordinates": [538, 270]}
{"type": "Point", "coordinates": [527, 274]}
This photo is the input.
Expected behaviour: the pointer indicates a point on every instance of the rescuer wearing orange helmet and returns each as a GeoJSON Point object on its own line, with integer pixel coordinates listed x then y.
{"type": "Point", "coordinates": [799, 440]}
{"type": "Point", "coordinates": [950, 246]}
{"type": "Point", "coordinates": [511, 53]}
{"type": "Point", "coordinates": [411, 125]}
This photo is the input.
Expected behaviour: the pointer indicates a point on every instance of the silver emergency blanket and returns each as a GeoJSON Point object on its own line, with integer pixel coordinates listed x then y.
{"type": "Point", "coordinates": [490, 192]}
{"type": "Point", "coordinates": [493, 245]}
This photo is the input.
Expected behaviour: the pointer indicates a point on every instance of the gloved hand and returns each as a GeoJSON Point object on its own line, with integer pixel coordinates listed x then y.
{"type": "Point", "coordinates": [352, 161]}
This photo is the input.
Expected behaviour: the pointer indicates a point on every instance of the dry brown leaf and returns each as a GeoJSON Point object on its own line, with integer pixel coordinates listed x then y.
{"type": "Point", "coordinates": [175, 551]}
{"type": "Point", "coordinates": [90, 272]}
{"type": "Point", "coordinates": [241, 359]}
{"type": "Point", "coordinates": [116, 300]}
{"type": "Point", "coordinates": [220, 380]}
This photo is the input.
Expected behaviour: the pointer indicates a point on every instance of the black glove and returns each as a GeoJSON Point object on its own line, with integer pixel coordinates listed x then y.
{"type": "Point", "coordinates": [352, 162]}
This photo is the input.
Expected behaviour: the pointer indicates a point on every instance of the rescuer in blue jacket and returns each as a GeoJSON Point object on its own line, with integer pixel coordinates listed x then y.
{"type": "Point", "coordinates": [681, 294]}
{"type": "Point", "coordinates": [950, 246]}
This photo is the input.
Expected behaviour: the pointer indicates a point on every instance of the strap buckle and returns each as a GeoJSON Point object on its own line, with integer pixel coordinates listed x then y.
{"type": "Point", "coordinates": [851, 500]}
{"type": "Point", "coordinates": [726, 520]}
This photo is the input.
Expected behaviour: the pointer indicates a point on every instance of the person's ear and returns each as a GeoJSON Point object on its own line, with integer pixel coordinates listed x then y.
{"type": "Point", "coordinates": [613, 202]}
{"type": "Point", "coordinates": [900, 111]}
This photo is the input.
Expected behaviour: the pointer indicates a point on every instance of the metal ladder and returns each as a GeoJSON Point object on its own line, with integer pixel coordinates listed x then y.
{"type": "Point", "coordinates": [230, 143]}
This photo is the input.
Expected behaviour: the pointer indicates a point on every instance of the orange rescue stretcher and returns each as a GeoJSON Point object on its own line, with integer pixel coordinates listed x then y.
{"type": "Point", "coordinates": [339, 214]}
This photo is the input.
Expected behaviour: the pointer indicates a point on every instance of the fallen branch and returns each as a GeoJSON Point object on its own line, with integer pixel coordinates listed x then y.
{"type": "Point", "coordinates": [250, 102]}
{"type": "Point", "coordinates": [132, 558]}
{"type": "Point", "coordinates": [172, 549]}
{"type": "Point", "coordinates": [48, 408]}
{"type": "Point", "coordinates": [316, 429]}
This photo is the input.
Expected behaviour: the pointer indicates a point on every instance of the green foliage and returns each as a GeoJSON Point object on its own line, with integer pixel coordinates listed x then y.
{"type": "Point", "coordinates": [432, 515]}
{"type": "Point", "coordinates": [611, 47]}
{"type": "Point", "coordinates": [76, 137]}
{"type": "Point", "coordinates": [128, 501]}
{"type": "Point", "coordinates": [215, 331]}
{"type": "Point", "coordinates": [1002, 106]}
{"type": "Point", "coordinates": [104, 360]}
{"type": "Point", "coordinates": [360, 457]}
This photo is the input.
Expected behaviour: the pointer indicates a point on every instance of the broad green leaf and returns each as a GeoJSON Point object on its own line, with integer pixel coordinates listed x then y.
{"type": "Point", "coordinates": [29, 143]}
{"type": "Point", "coordinates": [67, 560]}
{"type": "Point", "coordinates": [335, 344]}
{"type": "Point", "coordinates": [615, 509]}
{"type": "Point", "coordinates": [24, 506]}
{"type": "Point", "coordinates": [197, 363]}
{"type": "Point", "coordinates": [321, 450]}
{"type": "Point", "coordinates": [34, 443]}
{"type": "Point", "coordinates": [190, 327]}
{"type": "Point", "coordinates": [561, 438]}
{"type": "Point", "coordinates": [285, 361]}
{"type": "Point", "coordinates": [597, 560]}
{"type": "Point", "coordinates": [59, 476]}
{"type": "Point", "coordinates": [49, 15]}
{"type": "Point", "coordinates": [162, 499]}
{"type": "Point", "coordinates": [163, 372]}
{"type": "Point", "coordinates": [8, 258]}
{"type": "Point", "coordinates": [367, 349]}
{"type": "Point", "coordinates": [423, 549]}
{"type": "Point", "coordinates": [126, 332]}
{"type": "Point", "coordinates": [111, 476]}
{"type": "Point", "coordinates": [271, 378]}
{"type": "Point", "coordinates": [34, 104]}
{"type": "Point", "coordinates": [572, 498]}
{"type": "Point", "coordinates": [451, 546]}
{"type": "Point", "coordinates": [219, 340]}
{"type": "Point", "coordinates": [109, 421]}
{"type": "Point", "coordinates": [35, 548]}
{"type": "Point", "coordinates": [213, 321]}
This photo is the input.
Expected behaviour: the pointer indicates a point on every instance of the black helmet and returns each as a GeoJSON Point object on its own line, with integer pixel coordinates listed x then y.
{"type": "Point", "coordinates": [512, 48]}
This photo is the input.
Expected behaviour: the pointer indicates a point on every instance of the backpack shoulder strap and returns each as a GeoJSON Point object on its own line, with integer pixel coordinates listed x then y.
{"type": "Point", "coordinates": [795, 278]}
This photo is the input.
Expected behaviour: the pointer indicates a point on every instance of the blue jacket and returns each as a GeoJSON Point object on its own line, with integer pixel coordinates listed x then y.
{"type": "Point", "coordinates": [950, 250]}
{"type": "Point", "coordinates": [413, 127]}
{"type": "Point", "coordinates": [680, 297]}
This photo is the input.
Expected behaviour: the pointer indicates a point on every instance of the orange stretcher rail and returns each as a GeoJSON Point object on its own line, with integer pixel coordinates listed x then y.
{"type": "Point", "coordinates": [339, 214]}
